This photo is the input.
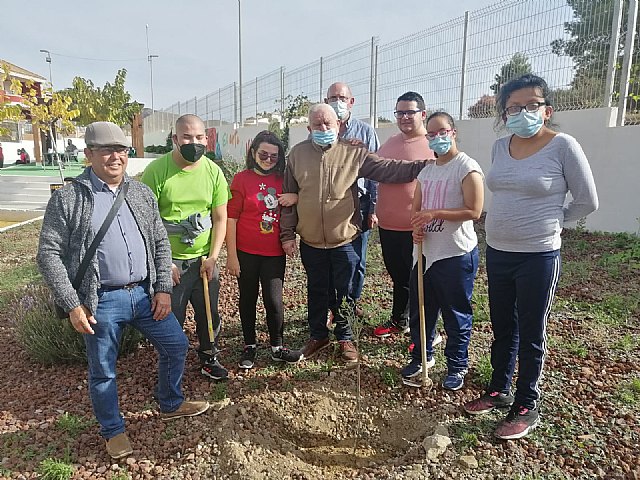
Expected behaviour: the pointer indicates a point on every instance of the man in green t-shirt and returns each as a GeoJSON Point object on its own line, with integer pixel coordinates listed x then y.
{"type": "Point", "coordinates": [192, 197]}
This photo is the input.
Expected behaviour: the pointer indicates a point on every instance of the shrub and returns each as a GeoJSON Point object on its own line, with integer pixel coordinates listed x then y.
{"type": "Point", "coordinates": [228, 166]}
{"type": "Point", "coordinates": [51, 469]}
{"type": "Point", "coordinates": [45, 337]}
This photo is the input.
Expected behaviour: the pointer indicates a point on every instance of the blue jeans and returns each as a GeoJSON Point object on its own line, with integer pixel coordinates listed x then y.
{"type": "Point", "coordinates": [321, 265]}
{"type": "Point", "coordinates": [448, 287]}
{"type": "Point", "coordinates": [117, 309]}
{"type": "Point", "coordinates": [357, 282]}
{"type": "Point", "coordinates": [521, 291]}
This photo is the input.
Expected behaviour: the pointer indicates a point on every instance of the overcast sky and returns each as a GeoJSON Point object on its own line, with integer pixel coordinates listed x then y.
{"type": "Point", "coordinates": [197, 41]}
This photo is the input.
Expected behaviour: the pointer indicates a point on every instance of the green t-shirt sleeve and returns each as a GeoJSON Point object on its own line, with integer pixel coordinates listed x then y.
{"type": "Point", "coordinates": [150, 179]}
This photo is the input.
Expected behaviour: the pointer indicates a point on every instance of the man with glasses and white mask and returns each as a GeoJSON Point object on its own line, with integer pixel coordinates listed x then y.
{"type": "Point", "coordinates": [126, 280]}
{"type": "Point", "coordinates": [192, 196]}
{"type": "Point", "coordinates": [340, 98]}
{"type": "Point", "coordinates": [394, 209]}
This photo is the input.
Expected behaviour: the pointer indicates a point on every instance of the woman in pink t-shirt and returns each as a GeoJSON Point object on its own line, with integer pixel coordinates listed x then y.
{"type": "Point", "coordinates": [254, 251]}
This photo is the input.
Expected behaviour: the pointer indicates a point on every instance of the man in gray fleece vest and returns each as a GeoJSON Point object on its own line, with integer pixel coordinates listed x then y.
{"type": "Point", "coordinates": [128, 282]}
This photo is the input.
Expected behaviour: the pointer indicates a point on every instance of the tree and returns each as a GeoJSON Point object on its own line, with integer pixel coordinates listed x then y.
{"type": "Point", "coordinates": [297, 107]}
{"type": "Point", "coordinates": [516, 67]}
{"type": "Point", "coordinates": [111, 103]}
{"type": "Point", "coordinates": [8, 111]}
{"type": "Point", "coordinates": [589, 44]}
{"type": "Point", "coordinates": [484, 108]}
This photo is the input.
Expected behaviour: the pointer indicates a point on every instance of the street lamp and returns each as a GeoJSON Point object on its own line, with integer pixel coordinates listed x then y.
{"type": "Point", "coordinates": [150, 60]}
{"type": "Point", "coordinates": [240, 63]}
{"type": "Point", "coordinates": [48, 60]}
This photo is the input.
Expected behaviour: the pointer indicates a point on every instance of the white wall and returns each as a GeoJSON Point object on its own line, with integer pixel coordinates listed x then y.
{"type": "Point", "coordinates": [613, 153]}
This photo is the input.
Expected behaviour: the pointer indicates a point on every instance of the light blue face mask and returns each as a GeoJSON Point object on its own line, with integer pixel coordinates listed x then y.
{"type": "Point", "coordinates": [440, 145]}
{"type": "Point", "coordinates": [341, 109]}
{"type": "Point", "coordinates": [525, 124]}
{"type": "Point", "coordinates": [324, 138]}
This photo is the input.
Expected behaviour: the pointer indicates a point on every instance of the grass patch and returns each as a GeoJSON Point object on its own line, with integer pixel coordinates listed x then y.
{"type": "Point", "coordinates": [480, 302]}
{"type": "Point", "coordinates": [469, 440]}
{"type": "Point", "coordinates": [627, 343]}
{"type": "Point", "coordinates": [72, 425]}
{"type": "Point", "coordinates": [218, 392]}
{"type": "Point", "coordinates": [51, 469]}
{"type": "Point", "coordinates": [483, 370]}
{"type": "Point", "coordinates": [629, 392]}
{"type": "Point", "coordinates": [576, 348]}
{"type": "Point", "coordinates": [390, 376]}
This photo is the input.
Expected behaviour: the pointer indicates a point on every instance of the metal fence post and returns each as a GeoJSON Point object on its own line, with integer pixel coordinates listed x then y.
{"type": "Point", "coordinates": [256, 100]}
{"type": "Point", "coordinates": [206, 107]}
{"type": "Point", "coordinates": [235, 104]}
{"type": "Point", "coordinates": [281, 97]}
{"type": "Point", "coordinates": [321, 64]}
{"type": "Point", "coordinates": [371, 83]}
{"type": "Point", "coordinates": [219, 107]}
{"type": "Point", "coordinates": [616, 23]}
{"type": "Point", "coordinates": [375, 90]}
{"type": "Point", "coordinates": [464, 63]}
{"type": "Point", "coordinates": [626, 64]}
{"type": "Point", "coordinates": [195, 106]}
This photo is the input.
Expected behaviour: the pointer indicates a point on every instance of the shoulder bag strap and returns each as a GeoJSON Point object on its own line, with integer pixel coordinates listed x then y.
{"type": "Point", "coordinates": [91, 251]}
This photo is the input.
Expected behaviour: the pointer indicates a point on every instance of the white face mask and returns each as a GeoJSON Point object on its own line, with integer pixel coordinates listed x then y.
{"type": "Point", "coordinates": [341, 108]}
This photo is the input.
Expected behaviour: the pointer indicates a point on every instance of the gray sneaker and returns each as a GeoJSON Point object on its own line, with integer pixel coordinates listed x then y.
{"type": "Point", "coordinates": [248, 358]}
{"type": "Point", "coordinates": [283, 354]}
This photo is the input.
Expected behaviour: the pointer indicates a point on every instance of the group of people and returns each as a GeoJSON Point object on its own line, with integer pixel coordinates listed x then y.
{"type": "Point", "coordinates": [330, 191]}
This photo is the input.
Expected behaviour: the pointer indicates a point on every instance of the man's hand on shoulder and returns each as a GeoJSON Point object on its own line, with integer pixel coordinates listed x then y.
{"type": "Point", "coordinates": [82, 319]}
{"type": "Point", "coordinates": [161, 305]}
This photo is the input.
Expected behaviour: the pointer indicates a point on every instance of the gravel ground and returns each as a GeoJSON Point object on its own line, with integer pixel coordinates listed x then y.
{"type": "Point", "coordinates": [303, 421]}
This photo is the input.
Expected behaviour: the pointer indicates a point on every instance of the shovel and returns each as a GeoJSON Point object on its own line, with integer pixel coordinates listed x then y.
{"type": "Point", "coordinates": [426, 381]}
{"type": "Point", "coordinates": [207, 303]}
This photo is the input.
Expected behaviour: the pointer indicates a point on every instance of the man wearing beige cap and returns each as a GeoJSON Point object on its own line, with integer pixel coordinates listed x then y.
{"type": "Point", "coordinates": [127, 280]}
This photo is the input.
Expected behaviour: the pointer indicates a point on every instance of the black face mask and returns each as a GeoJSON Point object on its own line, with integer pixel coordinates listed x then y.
{"type": "Point", "coordinates": [262, 170]}
{"type": "Point", "coordinates": [192, 152]}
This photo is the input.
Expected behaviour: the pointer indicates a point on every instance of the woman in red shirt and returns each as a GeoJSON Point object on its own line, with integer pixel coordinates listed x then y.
{"type": "Point", "coordinates": [254, 251]}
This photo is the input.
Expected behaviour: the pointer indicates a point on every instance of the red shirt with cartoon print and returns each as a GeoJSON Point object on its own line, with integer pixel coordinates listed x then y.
{"type": "Point", "coordinates": [254, 203]}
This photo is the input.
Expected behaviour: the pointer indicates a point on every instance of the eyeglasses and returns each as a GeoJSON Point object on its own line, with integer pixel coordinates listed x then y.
{"type": "Point", "coordinates": [514, 110]}
{"type": "Point", "coordinates": [440, 133]}
{"type": "Point", "coordinates": [264, 156]}
{"type": "Point", "coordinates": [104, 151]}
{"type": "Point", "coordinates": [335, 98]}
{"type": "Point", "coordinates": [405, 113]}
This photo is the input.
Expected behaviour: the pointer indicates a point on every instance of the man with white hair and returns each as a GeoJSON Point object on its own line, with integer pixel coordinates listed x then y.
{"type": "Point", "coordinates": [323, 171]}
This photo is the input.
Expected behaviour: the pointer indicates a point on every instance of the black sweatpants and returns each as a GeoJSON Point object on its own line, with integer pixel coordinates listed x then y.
{"type": "Point", "coordinates": [256, 270]}
{"type": "Point", "coordinates": [397, 252]}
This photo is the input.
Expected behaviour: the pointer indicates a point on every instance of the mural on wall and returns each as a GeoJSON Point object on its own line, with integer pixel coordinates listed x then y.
{"type": "Point", "coordinates": [213, 143]}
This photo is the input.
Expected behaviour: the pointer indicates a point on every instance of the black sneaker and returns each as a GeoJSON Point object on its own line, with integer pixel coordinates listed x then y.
{"type": "Point", "coordinates": [285, 355]}
{"type": "Point", "coordinates": [214, 370]}
{"type": "Point", "coordinates": [248, 357]}
{"type": "Point", "coordinates": [519, 422]}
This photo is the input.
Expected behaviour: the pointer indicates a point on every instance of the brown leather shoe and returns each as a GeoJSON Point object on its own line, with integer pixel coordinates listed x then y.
{"type": "Point", "coordinates": [119, 446]}
{"type": "Point", "coordinates": [187, 409]}
{"type": "Point", "coordinates": [312, 347]}
{"type": "Point", "coordinates": [349, 351]}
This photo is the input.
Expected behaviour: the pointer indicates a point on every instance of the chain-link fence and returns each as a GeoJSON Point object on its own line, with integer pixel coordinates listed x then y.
{"type": "Point", "coordinates": [581, 48]}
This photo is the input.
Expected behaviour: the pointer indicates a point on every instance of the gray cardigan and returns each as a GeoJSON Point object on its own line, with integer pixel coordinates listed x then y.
{"type": "Point", "coordinates": [67, 233]}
